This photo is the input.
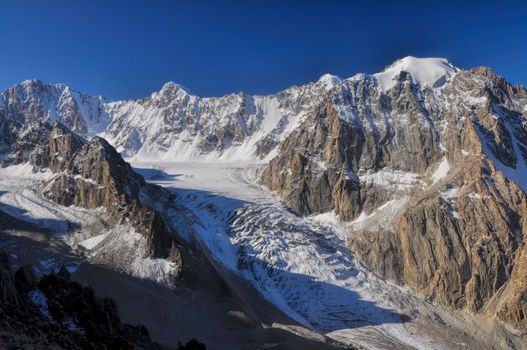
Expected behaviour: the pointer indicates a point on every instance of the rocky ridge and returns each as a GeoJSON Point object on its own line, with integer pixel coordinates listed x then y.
{"type": "Point", "coordinates": [93, 175]}
{"type": "Point", "coordinates": [169, 124]}
{"type": "Point", "coordinates": [430, 179]}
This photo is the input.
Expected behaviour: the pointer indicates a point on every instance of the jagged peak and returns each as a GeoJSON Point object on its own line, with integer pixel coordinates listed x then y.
{"type": "Point", "coordinates": [32, 82]}
{"type": "Point", "coordinates": [430, 71]}
{"type": "Point", "coordinates": [28, 87]}
{"type": "Point", "coordinates": [37, 83]}
{"type": "Point", "coordinates": [99, 145]}
{"type": "Point", "coordinates": [100, 142]}
{"type": "Point", "coordinates": [171, 87]}
{"type": "Point", "coordinates": [60, 130]}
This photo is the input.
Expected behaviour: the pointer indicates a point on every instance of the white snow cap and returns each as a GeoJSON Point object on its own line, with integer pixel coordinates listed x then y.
{"type": "Point", "coordinates": [432, 71]}
{"type": "Point", "coordinates": [329, 80]}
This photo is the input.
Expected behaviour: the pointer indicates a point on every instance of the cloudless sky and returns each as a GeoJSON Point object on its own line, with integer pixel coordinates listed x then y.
{"type": "Point", "coordinates": [128, 49]}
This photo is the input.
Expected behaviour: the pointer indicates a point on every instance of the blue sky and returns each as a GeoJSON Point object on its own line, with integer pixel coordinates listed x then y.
{"type": "Point", "coordinates": [127, 49]}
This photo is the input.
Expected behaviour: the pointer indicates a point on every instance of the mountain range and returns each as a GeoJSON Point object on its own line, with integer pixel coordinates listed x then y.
{"type": "Point", "coordinates": [378, 211]}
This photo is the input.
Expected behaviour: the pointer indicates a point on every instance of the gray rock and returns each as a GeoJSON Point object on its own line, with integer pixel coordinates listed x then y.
{"type": "Point", "coordinates": [25, 279]}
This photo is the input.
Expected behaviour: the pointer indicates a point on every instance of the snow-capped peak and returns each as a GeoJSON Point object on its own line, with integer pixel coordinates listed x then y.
{"type": "Point", "coordinates": [171, 87]}
{"type": "Point", "coordinates": [329, 80]}
{"type": "Point", "coordinates": [31, 82]}
{"type": "Point", "coordinates": [431, 72]}
{"type": "Point", "coordinates": [31, 86]}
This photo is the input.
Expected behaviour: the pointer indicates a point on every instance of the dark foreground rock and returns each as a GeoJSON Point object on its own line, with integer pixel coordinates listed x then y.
{"type": "Point", "coordinates": [61, 314]}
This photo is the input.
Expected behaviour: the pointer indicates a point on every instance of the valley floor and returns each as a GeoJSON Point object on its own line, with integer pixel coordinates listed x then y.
{"type": "Point", "coordinates": [301, 265]}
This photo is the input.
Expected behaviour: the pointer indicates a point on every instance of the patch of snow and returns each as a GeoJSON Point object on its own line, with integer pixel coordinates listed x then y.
{"type": "Point", "coordinates": [153, 269]}
{"type": "Point", "coordinates": [38, 299]}
{"type": "Point", "coordinates": [390, 179]}
{"type": "Point", "coordinates": [474, 195]}
{"type": "Point", "coordinates": [124, 249]}
{"type": "Point", "coordinates": [329, 217]}
{"type": "Point", "coordinates": [25, 171]}
{"type": "Point", "coordinates": [46, 265]}
{"type": "Point", "coordinates": [318, 162]}
{"type": "Point", "coordinates": [92, 242]}
{"type": "Point", "coordinates": [441, 171]}
{"type": "Point", "coordinates": [41, 301]}
{"type": "Point", "coordinates": [85, 179]}
{"type": "Point", "coordinates": [72, 326]}
{"type": "Point", "coordinates": [475, 101]}
{"type": "Point", "coordinates": [518, 174]}
{"type": "Point", "coordinates": [72, 266]}
{"type": "Point", "coordinates": [449, 196]}
{"type": "Point", "coordinates": [380, 216]}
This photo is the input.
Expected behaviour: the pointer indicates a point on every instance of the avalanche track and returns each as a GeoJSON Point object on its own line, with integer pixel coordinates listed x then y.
{"type": "Point", "coordinates": [302, 265]}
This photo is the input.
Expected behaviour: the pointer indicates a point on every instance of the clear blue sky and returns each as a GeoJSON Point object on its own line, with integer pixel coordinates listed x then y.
{"type": "Point", "coordinates": [125, 49]}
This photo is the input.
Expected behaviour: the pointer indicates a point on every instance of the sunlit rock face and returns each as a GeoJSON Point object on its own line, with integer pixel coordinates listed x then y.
{"type": "Point", "coordinates": [91, 174]}
{"type": "Point", "coordinates": [432, 177]}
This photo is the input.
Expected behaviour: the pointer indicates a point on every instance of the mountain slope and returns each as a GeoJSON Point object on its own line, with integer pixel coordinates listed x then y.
{"type": "Point", "coordinates": [431, 177]}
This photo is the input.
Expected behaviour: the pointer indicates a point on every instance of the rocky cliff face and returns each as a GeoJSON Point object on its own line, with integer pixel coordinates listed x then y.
{"type": "Point", "coordinates": [431, 178]}
{"type": "Point", "coordinates": [94, 175]}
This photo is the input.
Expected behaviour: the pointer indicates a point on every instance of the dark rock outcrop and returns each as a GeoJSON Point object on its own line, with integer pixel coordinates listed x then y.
{"type": "Point", "coordinates": [9, 294]}
{"type": "Point", "coordinates": [25, 279]}
{"type": "Point", "coordinates": [57, 313]}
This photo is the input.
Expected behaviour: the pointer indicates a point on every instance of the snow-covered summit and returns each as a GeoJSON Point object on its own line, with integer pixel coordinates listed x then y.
{"type": "Point", "coordinates": [36, 100]}
{"type": "Point", "coordinates": [431, 72]}
{"type": "Point", "coordinates": [171, 87]}
{"type": "Point", "coordinates": [329, 80]}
